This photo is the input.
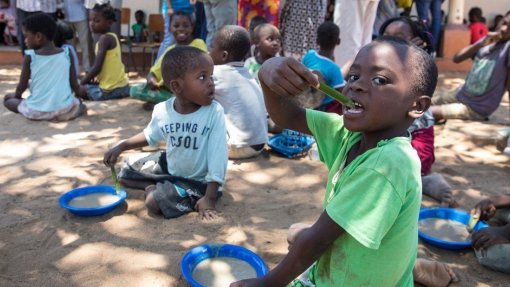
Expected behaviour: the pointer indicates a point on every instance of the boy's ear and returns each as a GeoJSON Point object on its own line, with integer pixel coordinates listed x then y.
{"type": "Point", "coordinates": [176, 86]}
{"type": "Point", "coordinates": [420, 106]}
{"type": "Point", "coordinates": [338, 41]}
{"type": "Point", "coordinates": [224, 56]}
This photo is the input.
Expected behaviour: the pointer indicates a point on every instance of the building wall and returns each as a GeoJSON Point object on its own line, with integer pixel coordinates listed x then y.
{"type": "Point", "coordinates": [147, 6]}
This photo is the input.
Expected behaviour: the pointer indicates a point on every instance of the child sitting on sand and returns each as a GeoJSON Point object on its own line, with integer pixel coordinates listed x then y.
{"type": "Point", "coordinates": [322, 60]}
{"type": "Point", "coordinates": [267, 40]}
{"type": "Point", "coordinates": [239, 93]}
{"type": "Point", "coordinates": [154, 91]}
{"type": "Point", "coordinates": [492, 244]}
{"type": "Point", "coordinates": [108, 69]}
{"type": "Point", "coordinates": [51, 73]}
{"type": "Point", "coordinates": [486, 83]}
{"type": "Point", "coordinates": [373, 192]}
{"type": "Point", "coordinates": [188, 175]}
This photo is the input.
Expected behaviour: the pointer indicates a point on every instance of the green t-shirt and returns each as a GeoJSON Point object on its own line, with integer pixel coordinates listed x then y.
{"type": "Point", "coordinates": [376, 200]}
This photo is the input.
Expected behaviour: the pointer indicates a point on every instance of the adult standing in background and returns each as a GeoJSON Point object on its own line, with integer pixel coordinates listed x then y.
{"type": "Point", "coordinates": [76, 17]}
{"type": "Point", "coordinates": [356, 21]}
{"type": "Point", "coordinates": [219, 13]}
{"type": "Point", "coordinates": [299, 20]}
{"type": "Point", "coordinates": [25, 8]}
{"type": "Point", "coordinates": [423, 7]}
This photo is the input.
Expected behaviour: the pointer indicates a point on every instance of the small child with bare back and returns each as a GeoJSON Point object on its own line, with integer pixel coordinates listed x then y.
{"type": "Point", "coordinates": [188, 175]}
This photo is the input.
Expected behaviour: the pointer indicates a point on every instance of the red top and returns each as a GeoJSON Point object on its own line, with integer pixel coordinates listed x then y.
{"type": "Point", "coordinates": [478, 31]}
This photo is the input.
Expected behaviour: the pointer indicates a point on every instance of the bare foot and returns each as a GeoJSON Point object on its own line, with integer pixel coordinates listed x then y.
{"type": "Point", "coordinates": [435, 186]}
{"type": "Point", "coordinates": [433, 274]}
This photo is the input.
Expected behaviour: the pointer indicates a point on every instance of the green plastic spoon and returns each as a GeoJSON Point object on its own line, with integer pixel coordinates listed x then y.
{"type": "Point", "coordinates": [335, 94]}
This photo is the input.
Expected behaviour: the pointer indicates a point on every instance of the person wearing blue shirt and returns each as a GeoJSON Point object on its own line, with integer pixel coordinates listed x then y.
{"type": "Point", "coordinates": [322, 60]}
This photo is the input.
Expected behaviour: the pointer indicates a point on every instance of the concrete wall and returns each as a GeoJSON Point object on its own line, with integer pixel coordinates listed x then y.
{"type": "Point", "coordinates": [147, 6]}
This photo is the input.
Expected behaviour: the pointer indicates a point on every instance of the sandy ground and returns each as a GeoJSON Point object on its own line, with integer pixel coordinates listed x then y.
{"type": "Point", "coordinates": [43, 245]}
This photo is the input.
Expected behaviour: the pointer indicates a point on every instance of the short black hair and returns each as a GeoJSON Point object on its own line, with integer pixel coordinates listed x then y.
{"type": "Point", "coordinates": [106, 10]}
{"type": "Point", "coordinates": [182, 13]}
{"type": "Point", "coordinates": [41, 23]}
{"type": "Point", "coordinates": [235, 40]}
{"type": "Point", "coordinates": [139, 13]}
{"type": "Point", "coordinates": [423, 66]}
{"type": "Point", "coordinates": [178, 61]}
{"type": "Point", "coordinates": [64, 33]}
{"type": "Point", "coordinates": [328, 34]}
{"type": "Point", "coordinates": [476, 13]}
{"type": "Point", "coordinates": [417, 27]}
{"type": "Point", "coordinates": [254, 22]}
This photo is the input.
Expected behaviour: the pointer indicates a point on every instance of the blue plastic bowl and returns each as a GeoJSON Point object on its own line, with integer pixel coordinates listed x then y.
{"type": "Point", "coordinates": [452, 214]}
{"type": "Point", "coordinates": [202, 252]}
{"type": "Point", "coordinates": [68, 196]}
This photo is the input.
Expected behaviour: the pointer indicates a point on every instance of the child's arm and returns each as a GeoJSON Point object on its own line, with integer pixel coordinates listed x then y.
{"type": "Point", "coordinates": [79, 91]}
{"type": "Point", "coordinates": [280, 78]}
{"type": "Point", "coordinates": [106, 42]}
{"type": "Point", "coordinates": [137, 141]}
{"type": "Point", "coordinates": [24, 78]}
{"type": "Point", "coordinates": [170, 9]}
{"type": "Point", "coordinates": [309, 245]}
{"type": "Point", "coordinates": [207, 204]}
{"type": "Point", "coordinates": [471, 50]}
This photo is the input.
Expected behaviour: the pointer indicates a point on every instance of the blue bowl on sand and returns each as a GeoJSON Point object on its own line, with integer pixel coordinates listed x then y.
{"type": "Point", "coordinates": [206, 251]}
{"type": "Point", "coordinates": [92, 211]}
{"type": "Point", "coordinates": [451, 214]}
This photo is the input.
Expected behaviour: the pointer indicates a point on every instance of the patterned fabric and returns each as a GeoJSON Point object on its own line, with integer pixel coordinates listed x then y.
{"type": "Point", "coordinates": [299, 21]}
{"type": "Point", "coordinates": [247, 9]}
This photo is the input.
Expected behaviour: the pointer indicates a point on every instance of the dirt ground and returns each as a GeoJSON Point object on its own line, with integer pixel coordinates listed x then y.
{"type": "Point", "coordinates": [43, 245]}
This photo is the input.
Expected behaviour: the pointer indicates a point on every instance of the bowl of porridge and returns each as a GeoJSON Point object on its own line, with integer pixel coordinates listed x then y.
{"type": "Point", "coordinates": [446, 227]}
{"type": "Point", "coordinates": [218, 265]}
{"type": "Point", "coordinates": [92, 200]}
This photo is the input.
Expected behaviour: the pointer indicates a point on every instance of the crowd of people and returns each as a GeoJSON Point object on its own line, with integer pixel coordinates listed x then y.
{"type": "Point", "coordinates": [217, 90]}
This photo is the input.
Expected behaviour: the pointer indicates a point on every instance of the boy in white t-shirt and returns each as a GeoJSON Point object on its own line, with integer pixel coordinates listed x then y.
{"type": "Point", "coordinates": [239, 93]}
{"type": "Point", "coordinates": [188, 175]}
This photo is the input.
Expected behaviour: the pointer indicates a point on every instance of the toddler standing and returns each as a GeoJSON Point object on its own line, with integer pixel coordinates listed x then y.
{"type": "Point", "coordinates": [51, 73]}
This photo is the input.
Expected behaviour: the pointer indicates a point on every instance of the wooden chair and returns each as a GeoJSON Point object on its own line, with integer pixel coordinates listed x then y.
{"type": "Point", "coordinates": [156, 27]}
{"type": "Point", "coordinates": [125, 19]}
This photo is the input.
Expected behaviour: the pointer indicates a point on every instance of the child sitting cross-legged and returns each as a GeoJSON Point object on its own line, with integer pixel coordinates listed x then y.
{"type": "Point", "coordinates": [108, 69]}
{"type": "Point", "coordinates": [51, 73]}
{"type": "Point", "coordinates": [239, 93]}
{"type": "Point", "coordinates": [188, 175]}
{"type": "Point", "coordinates": [154, 91]}
{"type": "Point", "coordinates": [373, 191]}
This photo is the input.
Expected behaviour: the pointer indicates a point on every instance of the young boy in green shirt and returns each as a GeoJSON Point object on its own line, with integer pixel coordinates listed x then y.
{"type": "Point", "coordinates": [367, 234]}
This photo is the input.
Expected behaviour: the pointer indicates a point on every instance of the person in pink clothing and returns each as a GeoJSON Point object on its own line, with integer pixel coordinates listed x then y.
{"type": "Point", "coordinates": [477, 27]}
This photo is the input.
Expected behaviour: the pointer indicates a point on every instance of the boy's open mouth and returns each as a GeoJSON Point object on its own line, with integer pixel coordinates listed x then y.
{"type": "Point", "coordinates": [356, 109]}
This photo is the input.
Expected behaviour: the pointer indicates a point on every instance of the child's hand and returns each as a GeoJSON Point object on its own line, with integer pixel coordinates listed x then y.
{"type": "Point", "coordinates": [248, 283]}
{"type": "Point", "coordinates": [152, 83]}
{"type": "Point", "coordinates": [485, 209]}
{"type": "Point", "coordinates": [206, 208]}
{"type": "Point", "coordinates": [170, 11]}
{"type": "Point", "coordinates": [492, 37]}
{"type": "Point", "coordinates": [286, 76]}
{"type": "Point", "coordinates": [487, 237]}
{"type": "Point", "coordinates": [82, 92]}
{"type": "Point", "coordinates": [111, 156]}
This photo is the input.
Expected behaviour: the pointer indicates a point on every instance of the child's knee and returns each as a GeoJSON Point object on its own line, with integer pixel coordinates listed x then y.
{"type": "Point", "coordinates": [151, 204]}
